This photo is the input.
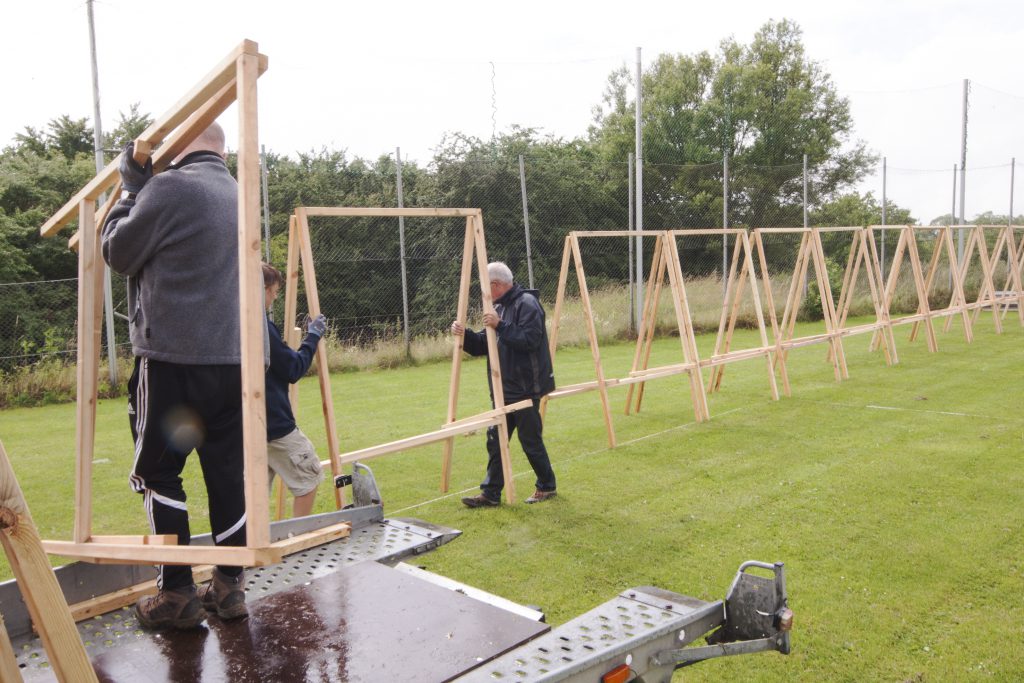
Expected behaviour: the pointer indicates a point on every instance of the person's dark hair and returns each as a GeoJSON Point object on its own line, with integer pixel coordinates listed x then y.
{"type": "Point", "coordinates": [271, 276]}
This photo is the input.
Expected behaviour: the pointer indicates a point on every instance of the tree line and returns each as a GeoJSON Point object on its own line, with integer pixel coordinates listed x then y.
{"type": "Point", "coordinates": [762, 105]}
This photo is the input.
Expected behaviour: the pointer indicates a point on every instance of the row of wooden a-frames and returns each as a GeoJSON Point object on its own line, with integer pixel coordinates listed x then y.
{"type": "Point", "coordinates": [742, 281]}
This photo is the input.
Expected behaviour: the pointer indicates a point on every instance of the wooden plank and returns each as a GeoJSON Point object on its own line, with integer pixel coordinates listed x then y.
{"type": "Point", "coordinates": [616, 233]}
{"type": "Point", "coordinates": [290, 331]}
{"type": "Point", "coordinates": [728, 317]}
{"type": "Point", "coordinates": [497, 388]}
{"type": "Point", "coordinates": [409, 442]}
{"type": "Point", "coordinates": [251, 309]}
{"type": "Point", "coordinates": [563, 277]}
{"type": "Point", "coordinates": [659, 265]}
{"type": "Point", "coordinates": [125, 553]}
{"type": "Point", "coordinates": [461, 313]}
{"type": "Point", "coordinates": [759, 312]}
{"type": "Point", "coordinates": [828, 303]}
{"type": "Point", "coordinates": [311, 539]}
{"type": "Point", "coordinates": [595, 350]}
{"type": "Point", "coordinates": [9, 670]}
{"type": "Point", "coordinates": [877, 294]}
{"type": "Point", "coordinates": [202, 92]}
{"type": "Point", "coordinates": [37, 582]}
{"type": "Point", "coordinates": [505, 410]}
{"type": "Point", "coordinates": [322, 371]}
{"type": "Point", "coordinates": [90, 310]}
{"type": "Point", "coordinates": [147, 539]}
{"type": "Point", "coordinates": [383, 211]}
{"type": "Point", "coordinates": [922, 294]}
{"type": "Point", "coordinates": [778, 359]}
{"type": "Point", "coordinates": [686, 336]}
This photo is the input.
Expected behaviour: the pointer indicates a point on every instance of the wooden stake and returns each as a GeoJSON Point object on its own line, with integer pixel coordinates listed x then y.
{"type": "Point", "coordinates": [497, 389]}
{"type": "Point", "coordinates": [458, 343]}
{"type": "Point", "coordinates": [595, 352]}
{"type": "Point", "coordinates": [686, 335]}
{"type": "Point", "coordinates": [322, 370]}
{"type": "Point", "coordinates": [36, 580]}
{"type": "Point", "coordinates": [90, 311]}
{"type": "Point", "coordinates": [778, 357]}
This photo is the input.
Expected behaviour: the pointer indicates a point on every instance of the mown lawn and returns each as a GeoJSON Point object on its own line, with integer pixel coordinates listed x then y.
{"type": "Point", "coordinates": [894, 498]}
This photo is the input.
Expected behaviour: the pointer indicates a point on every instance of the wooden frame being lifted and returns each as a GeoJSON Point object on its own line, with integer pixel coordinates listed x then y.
{"type": "Point", "coordinates": [234, 79]}
{"type": "Point", "coordinates": [300, 255]}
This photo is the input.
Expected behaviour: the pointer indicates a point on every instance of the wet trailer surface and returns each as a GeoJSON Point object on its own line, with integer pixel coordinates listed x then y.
{"type": "Point", "coordinates": [336, 612]}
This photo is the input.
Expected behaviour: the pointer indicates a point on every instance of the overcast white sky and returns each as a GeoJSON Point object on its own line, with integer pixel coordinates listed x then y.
{"type": "Point", "coordinates": [370, 76]}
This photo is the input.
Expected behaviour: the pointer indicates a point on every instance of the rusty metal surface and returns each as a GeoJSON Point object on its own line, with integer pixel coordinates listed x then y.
{"type": "Point", "coordinates": [367, 622]}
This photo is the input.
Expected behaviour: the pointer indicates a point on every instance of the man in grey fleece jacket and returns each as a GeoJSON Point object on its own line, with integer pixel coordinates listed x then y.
{"type": "Point", "coordinates": [175, 236]}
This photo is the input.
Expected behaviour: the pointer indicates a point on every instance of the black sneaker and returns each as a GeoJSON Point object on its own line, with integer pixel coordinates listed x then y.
{"type": "Point", "coordinates": [480, 501]}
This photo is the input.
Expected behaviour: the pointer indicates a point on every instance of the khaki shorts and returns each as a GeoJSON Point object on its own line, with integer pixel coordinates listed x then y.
{"type": "Point", "coordinates": [294, 458]}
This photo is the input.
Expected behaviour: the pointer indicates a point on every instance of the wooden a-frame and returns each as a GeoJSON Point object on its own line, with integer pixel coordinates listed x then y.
{"type": "Point", "coordinates": [862, 251]}
{"type": "Point", "coordinates": [661, 264]}
{"type": "Point", "coordinates": [300, 256]}
{"type": "Point", "coordinates": [736, 284]}
{"type": "Point", "coordinates": [1005, 242]}
{"type": "Point", "coordinates": [1015, 272]}
{"type": "Point", "coordinates": [977, 245]}
{"type": "Point", "coordinates": [957, 302]}
{"type": "Point", "coordinates": [809, 251]}
{"type": "Point", "coordinates": [233, 80]}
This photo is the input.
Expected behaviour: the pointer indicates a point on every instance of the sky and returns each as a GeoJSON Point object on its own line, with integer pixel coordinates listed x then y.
{"type": "Point", "coordinates": [370, 77]}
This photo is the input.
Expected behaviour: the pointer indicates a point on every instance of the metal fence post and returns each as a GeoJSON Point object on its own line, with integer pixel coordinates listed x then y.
{"type": "Point", "coordinates": [526, 219]}
{"type": "Point", "coordinates": [963, 172]}
{"type": "Point", "coordinates": [634, 314]}
{"type": "Point", "coordinates": [807, 275]}
{"type": "Point", "coordinates": [401, 252]}
{"type": "Point", "coordinates": [639, 205]}
{"type": "Point", "coordinates": [884, 202]}
{"type": "Point", "coordinates": [725, 220]}
{"type": "Point", "coordinates": [108, 296]}
{"type": "Point", "coordinates": [952, 217]}
{"type": "Point", "coordinates": [266, 201]}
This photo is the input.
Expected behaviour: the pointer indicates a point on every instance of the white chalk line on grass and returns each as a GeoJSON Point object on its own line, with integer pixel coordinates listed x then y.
{"type": "Point", "coordinates": [577, 457]}
{"type": "Point", "coordinates": [870, 406]}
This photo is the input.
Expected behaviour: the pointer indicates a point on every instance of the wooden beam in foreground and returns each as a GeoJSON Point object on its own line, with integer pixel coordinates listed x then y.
{"type": "Point", "coordinates": [38, 584]}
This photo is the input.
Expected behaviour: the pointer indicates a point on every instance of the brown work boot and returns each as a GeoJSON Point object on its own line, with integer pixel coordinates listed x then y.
{"type": "Point", "coordinates": [225, 595]}
{"type": "Point", "coordinates": [176, 608]}
{"type": "Point", "coordinates": [480, 501]}
{"type": "Point", "coordinates": [540, 496]}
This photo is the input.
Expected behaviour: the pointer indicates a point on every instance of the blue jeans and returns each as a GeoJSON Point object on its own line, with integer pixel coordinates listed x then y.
{"type": "Point", "coordinates": [530, 428]}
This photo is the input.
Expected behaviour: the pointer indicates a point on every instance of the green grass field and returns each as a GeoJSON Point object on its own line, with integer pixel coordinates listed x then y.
{"type": "Point", "coordinates": [894, 498]}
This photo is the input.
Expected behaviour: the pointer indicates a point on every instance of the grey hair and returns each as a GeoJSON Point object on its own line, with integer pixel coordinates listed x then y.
{"type": "Point", "coordinates": [499, 272]}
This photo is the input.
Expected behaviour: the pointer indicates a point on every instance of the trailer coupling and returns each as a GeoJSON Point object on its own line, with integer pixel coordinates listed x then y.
{"type": "Point", "coordinates": [757, 618]}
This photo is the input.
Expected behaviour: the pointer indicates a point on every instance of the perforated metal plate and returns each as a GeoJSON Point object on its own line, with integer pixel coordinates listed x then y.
{"type": "Point", "coordinates": [607, 633]}
{"type": "Point", "coordinates": [386, 541]}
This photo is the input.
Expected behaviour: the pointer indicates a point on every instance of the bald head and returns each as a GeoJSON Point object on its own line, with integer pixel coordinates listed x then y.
{"type": "Point", "coordinates": [210, 140]}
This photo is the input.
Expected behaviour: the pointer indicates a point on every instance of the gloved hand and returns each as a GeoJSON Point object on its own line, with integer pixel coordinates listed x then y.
{"type": "Point", "coordinates": [317, 325]}
{"type": "Point", "coordinates": [133, 176]}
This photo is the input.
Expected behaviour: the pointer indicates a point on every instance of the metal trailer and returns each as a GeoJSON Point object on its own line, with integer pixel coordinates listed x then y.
{"type": "Point", "coordinates": [351, 610]}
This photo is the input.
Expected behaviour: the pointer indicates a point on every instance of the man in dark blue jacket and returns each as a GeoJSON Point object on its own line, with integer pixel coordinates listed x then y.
{"type": "Point", "coordinates": [289, 452]}
{"type": "Point", "coordinates": [526, 373]}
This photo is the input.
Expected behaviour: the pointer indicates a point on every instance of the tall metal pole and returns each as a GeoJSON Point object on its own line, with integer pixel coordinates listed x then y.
{"type": "Point", "coordinates": [526, 219]}
{"type": "Point", "coordinates": [963, 172]}
{"type": "Point", "coordinates": [885, 189]}
{"type": "Point", "coordinates": [805, 191]}
{"type": "Point", "coordinates": [108, 298]}
{"type": "Point", "coordinates": [634, 314]}
{"type": "Point", "coordinates": [1013, 168]}
{"type": "Point", "coordinates": [725, 220]}
{"type": "Point", "coordinates": [401, 252]}
{"type": "Point", "coordinates": [639, 185]}
{"type": "Point", "coordinates": [266, 200]}
{"type": "Point", "coordinates": [952, 217]}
